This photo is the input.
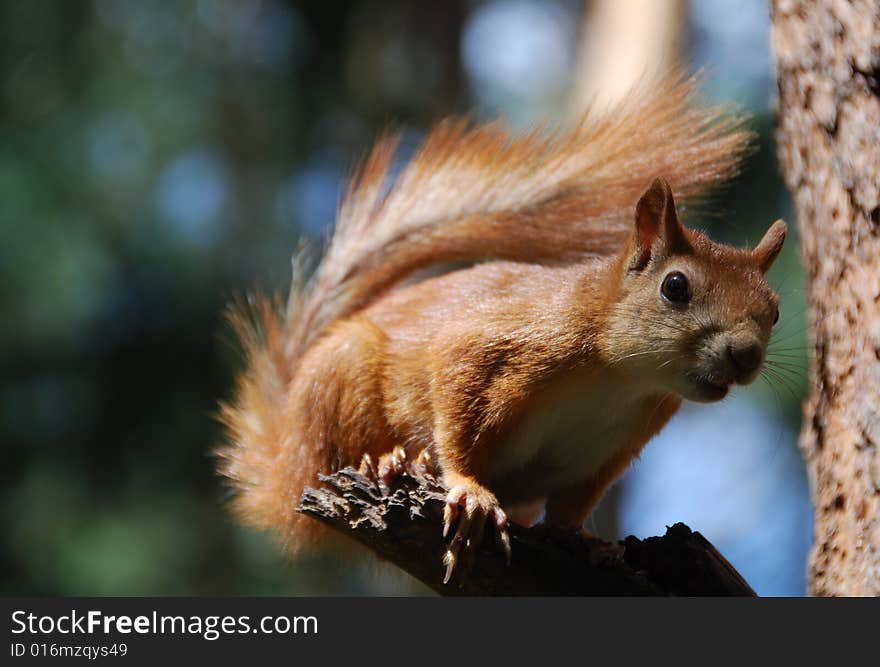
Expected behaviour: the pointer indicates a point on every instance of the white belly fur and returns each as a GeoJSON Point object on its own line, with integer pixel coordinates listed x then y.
{"type": "Point", "coordinates": [568, 435]}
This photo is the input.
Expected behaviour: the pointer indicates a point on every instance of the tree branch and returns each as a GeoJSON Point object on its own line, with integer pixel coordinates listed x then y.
{"type": "Point", "coordinates": [404, 527]}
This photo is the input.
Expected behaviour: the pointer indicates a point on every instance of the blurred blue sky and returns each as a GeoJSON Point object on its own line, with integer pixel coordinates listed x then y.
{"type": "Point", "coordinates": [731, 471]}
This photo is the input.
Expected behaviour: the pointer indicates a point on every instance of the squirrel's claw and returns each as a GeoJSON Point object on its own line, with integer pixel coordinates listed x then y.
{"type": "Point", "coordinates": [449, 560]}
{"type": "Point", "coordinates": [472, 506]}
{"type": "Point", "coordinates": [469, 508]}
{"type": "Point", "coordinates": [368, 469]}
{"type": "Point", "coordinates": [450, 514]}
{"type": "Point", "coordinates": [423, 463]}
{"type": "Point", "coordinates": [392, 466]}
{"type": "Point", "coordinates": [501, 533]}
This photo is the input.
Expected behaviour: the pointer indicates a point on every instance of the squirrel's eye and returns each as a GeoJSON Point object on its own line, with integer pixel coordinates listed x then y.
{"type": "Point", "coordinates": [776, 316]}
{"type": "Point", "coordinates": [675, 288]}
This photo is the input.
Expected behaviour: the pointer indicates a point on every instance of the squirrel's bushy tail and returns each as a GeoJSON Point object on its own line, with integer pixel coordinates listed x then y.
{"type": "Point", "coordinates": [469, 193]}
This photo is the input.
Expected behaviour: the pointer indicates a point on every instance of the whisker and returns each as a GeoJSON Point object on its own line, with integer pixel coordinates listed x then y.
{"type": "Point", "coordinates": [784, 382]}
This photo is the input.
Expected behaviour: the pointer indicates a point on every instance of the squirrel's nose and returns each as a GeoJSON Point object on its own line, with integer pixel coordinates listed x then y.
{"type": "Point", "coordinates": [746, 358]}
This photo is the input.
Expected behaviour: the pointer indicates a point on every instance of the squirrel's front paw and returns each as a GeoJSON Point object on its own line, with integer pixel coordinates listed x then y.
{"type": "Point", "coordinates": [472, 506]}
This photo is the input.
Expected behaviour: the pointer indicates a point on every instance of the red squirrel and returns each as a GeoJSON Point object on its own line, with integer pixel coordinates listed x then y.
{"type": "Point", "coordinates": [575, 314]}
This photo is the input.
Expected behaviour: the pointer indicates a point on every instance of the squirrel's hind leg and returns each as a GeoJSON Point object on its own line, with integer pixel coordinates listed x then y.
{"type": "Point", "coordinates": [570, 508]}
{"type": "Point", "coordinates": [526, 514]}
{"type": "Point", "coordinates": [394, 464]}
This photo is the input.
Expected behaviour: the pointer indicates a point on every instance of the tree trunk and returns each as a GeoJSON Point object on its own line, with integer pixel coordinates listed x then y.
{"type": "Point", "coordinates": [828, 63]}
{"type": "Point", "coordinates": [623, 43]}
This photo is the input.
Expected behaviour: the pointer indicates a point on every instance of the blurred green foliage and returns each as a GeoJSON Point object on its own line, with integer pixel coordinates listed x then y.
{"type": "Point", "coordinates": [156, 159]}
{"type": "Point", "coordinates": [152, 156]}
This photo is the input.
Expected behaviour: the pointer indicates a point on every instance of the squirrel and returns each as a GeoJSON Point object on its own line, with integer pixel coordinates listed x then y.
{"type": "Point", "coordinates": [568, 315]}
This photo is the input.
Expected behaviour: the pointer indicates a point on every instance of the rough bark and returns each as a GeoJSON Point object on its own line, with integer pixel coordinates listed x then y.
{"type": "Point", "coordinates": [403, 525]}
{"type": "Point", "coordinates": [828, 63]}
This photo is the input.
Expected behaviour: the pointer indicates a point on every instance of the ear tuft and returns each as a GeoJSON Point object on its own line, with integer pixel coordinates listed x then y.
{"type": "Point", "coordinates": [768, 248]}
{"type": "Point", "coordinates": [657, 226]}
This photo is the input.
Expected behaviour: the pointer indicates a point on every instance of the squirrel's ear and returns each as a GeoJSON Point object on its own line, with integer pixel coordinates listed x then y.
{"type": "Point", "coordinates": [767, 250]}
{"type": "Point", "coordinates": [657, 227]}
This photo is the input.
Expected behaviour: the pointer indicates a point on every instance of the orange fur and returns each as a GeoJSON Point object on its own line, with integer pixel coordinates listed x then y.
{"type": "Point", "coordinates": [486, 365]}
